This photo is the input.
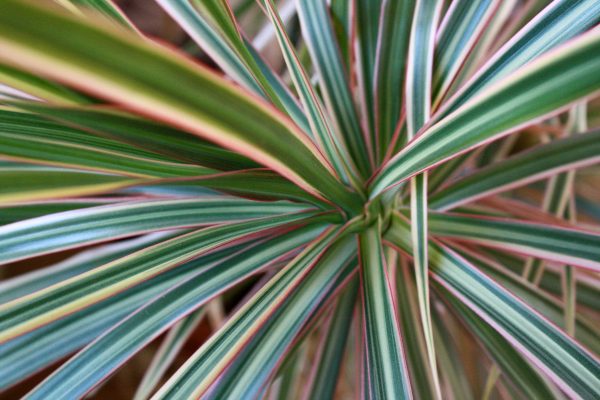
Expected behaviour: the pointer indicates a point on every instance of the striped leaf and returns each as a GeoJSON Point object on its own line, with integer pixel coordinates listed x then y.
{"type": "Point", "coordinates": [26, 354]}
{"type": "Point", "coordinates": [201, 370]}
{"type": "Point", "coordinates": [329, 363]}
{"type": "Point", "coordinates": [542, 87]}
{"type": "Point", "coordinates": [333, 80]}
{"type": "Point", "coordinates": [386, 366]}
{"type": "Point", "coordinates": [462, 25]}
{"type": "Point", "coordinates": [535, 164]}
{"type": "Point", "coordinates": [84, 261]}
{"type": "Point", "coordinates": [545, 303]}
{"type": "Point", "coordinates": [367, 17]}
{"type": "Point", "coordinates": [141, 133]}
{"type": "Point", "coordinates": [504, 355]}
{"type": "Point", "coordinates": [60, 231]}
{"type": "Point", "coordinates": [39, 87]}
{"type": "Point", "coordinates": [106, 8]}
{"type": "Point", "coordinates": [32, 311]}
{"type": "Point", "coordinates": [252, 369]}
{"type": "Point", "coordinates": [123, 71]}
{"type": "Point", "coordinates": [390, 69]}
{"type": "Point", "coordinates": [14, 212]}
{"type": "Point", "coordinates": [411, 324]}
{"type": "Point", "coordinates": [218, 36]}
{"type": "Point", "coordinates": [40, 183]}
{"type": "Point", "coordinates": [550, 349]}
{"type": "Point", "coordinates": [418, 109]}
{"type": "Point", "coordinates": [29, 138]}
{"type": "Point", "coordinates": [558, 243]}
{"type": "Point", "coordinates": [166, 353]}
{"type": "Point", "coordinates": [331, 145]}
{"type": "Point", "coordinates": [559, 22]}
{"type": "Point", "coordinates": [89, 367]}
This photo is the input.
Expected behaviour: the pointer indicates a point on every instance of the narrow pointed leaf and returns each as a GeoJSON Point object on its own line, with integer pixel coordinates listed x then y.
{"type": "Point", "coordinates": [558, 243]}
{"type": "Point", "coordinates": [203, 368]}
{"type": "Point", "coordinates": [521, 169]}
{"type": "Point", "coordinates": [40, 183]}
{"type": "Point", "coordinates": [217, 34]}
{"type": "Point", "coordinates": [40, 87]}
{"type": "Point", "coordinates": [564, 360]}
{"type": "Point", "coordinates": [409, 316]}
{"type": "Point", "coordinates": [367, 15]}
{"type": "Point", "coordinates": [418, 109]}
{"type": "Point", "coordinates": [166, 353]}
{"type": "Point", "coordinates": [27, 354]}
{"type": "Point", "coordinates": [29, 138]}
{"type": "Point", "coordinates": [559, 22]}
{"type": "Point", "coordinates": [386, 366]}
{"type": "Point", "coordinates": [504, 355]}
{"type": "Point", "coordinates": [142, 133]}
{"type": "Point", "coordinates": [462, 25]}
{"type": "Point", "coordinates": [390, 69]}
{"type": "Point", "coordinates": [253, 366]}
{"type": "Point", "coordinates": [123, 71]}
{"type": "Point", "coordinates": [94, 363]}
{"type": "Point", "coordinates": [106, 8]}
{"type": "Point", "coordinates": [84, 261]}
{"type": "Point", "coordinates": [333, 80]}
{"type": "Point", "coordinates": [24, 314]}
{"type": "Point", "coordinates": [77, 228]}
{"type": "Point", "coordinates": [329, 363]}
{"type": "Point", "coordinates": [332, 146]}
{"type": "Point", "coordinates": [543, 86]}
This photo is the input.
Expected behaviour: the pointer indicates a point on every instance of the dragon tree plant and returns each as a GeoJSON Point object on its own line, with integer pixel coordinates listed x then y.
{"type": "Point", "coordinates": [388, 199]}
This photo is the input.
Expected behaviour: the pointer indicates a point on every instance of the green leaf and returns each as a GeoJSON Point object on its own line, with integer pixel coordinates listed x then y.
{"type": "Point", "coordinates": [394, 33]}
{"type": "Point", "coordinates": [253, 366]}
{"type": "Point", "coordinates": [532, 165]}
{"type": "Point", "coordinates": [27, 137]}
{"type": "Point", "coordinates": [460, 29]}
{"type": "Point", "coordinates": [341, 20]}
{"type": "Point", "coordinates": [511, 363]}
{"type": "Point", "coordinates": [142, 134]}
{"type": "Point", "coordinates": [254, 183]}
{"type": "Point", "coordinates": [107, 9]}
{"type": "Point", "coordinates": [453, 369]}
{"type": "Point", "coordinates": [559, 22]}
{"type": "Point", "coordinates": [329, 362]}
{"type": "Point", "coordinates": [366, 19]}
{"type": "Point", "coordinates": [26, 354]}
{"type": "Point", "coordinates": [166, 353]}
{"type": "Point", "coordinates": [30, 312]}
{"type": "Point", "coordinates": [411, 327]}
{"type": "Point", "coordinates": [553, 242]}
{"type": "Point", "coordinates": [38, 183]}
{"type": "Point", "coordinates": [561, 358]}
{"type": "Point", "coordinates": [333, 80]}
{"type": "Point", "coordinates": [204, 367]}
{"type": "Point", "coordinates": [89, 367]}
{"type": "Point", "coordinates": [332, 146]}
{"type": "Point", "coordinates": [547, 304]}
{"type": "Point", "coordinates": [386, 366]}
{"type": "Point", "coordinates": [17, 212]}
{"type": "Point", "coordinates": [543, 86]}
{"type": "Point", "coordinates": [123, 68]}
{"type": "Point", "coordinates": [83, 261]}
{"type": "Point", "coordinates": [60, 231]}
{"type": "Point", "coordinates": [418, 109]}
{"type": "Point", "coordinates": [40, 87]}
{"type": "Point", "coordinates": [216, 32]}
